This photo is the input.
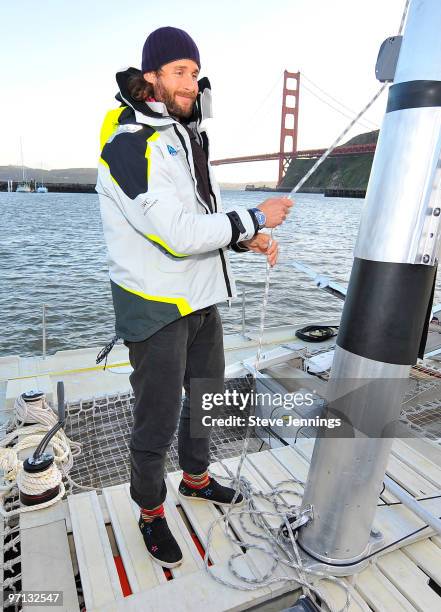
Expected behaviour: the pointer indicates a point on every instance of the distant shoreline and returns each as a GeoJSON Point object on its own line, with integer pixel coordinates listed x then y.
{"type": "Point", "coordinates": [90, 188]}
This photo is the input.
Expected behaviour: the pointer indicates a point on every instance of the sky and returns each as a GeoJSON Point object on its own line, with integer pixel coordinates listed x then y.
{"type": "Point", "coordinates": [58, 62]}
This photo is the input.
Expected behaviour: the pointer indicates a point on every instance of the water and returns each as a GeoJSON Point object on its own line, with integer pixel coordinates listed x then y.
{"type": "Point", "coordinates": [52, 251]}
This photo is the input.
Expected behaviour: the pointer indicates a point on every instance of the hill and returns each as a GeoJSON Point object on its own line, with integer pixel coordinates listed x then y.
{"type": "Point", "coordinates": [60, 175]}
{"type": "Point", "coordinates": [345, 172]}
{"type": "Point", "coordinates": [82, 176]}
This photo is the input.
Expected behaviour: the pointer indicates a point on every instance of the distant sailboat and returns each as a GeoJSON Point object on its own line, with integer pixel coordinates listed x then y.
{"type": "Point", "coordinates": [24, 186]}
{"type": "Point", "coordinates": [41, 187]}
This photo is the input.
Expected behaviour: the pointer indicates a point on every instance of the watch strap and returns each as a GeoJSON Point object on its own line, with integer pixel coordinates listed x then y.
{"type": "Point", "coordinates": [255, 220]}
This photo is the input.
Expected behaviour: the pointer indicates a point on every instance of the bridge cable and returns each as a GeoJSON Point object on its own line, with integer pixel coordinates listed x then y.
{"type": "Point", "coordinates": [350, 110]}
{"type": "Point", "coordinates": [367, 124]}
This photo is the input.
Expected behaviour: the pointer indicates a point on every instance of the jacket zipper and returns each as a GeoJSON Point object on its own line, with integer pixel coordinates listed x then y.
{"type": "Point", "coordinates": [227, 280]}
{"type": "Point", "coordinates": [182, 140]}
{"type": "Point", "coordinates": [221, 253]}
{"type": "Point", "coordinates": [204, 141]}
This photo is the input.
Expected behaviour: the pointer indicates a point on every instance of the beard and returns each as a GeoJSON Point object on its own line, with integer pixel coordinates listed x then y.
{"type": "Point", "coordinates": [174, 108]}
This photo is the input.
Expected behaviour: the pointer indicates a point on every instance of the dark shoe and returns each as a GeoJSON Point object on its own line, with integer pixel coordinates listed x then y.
{"type": "Point", "coordinates": [160, 542]}
{"type": "Point", "coordinates": [213, 492]}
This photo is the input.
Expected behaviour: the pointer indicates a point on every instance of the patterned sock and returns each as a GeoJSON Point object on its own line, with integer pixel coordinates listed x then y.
{"type": "Point", "coordinates": [196, 481]}
{"type": "Point", "coordinates": [149, 514]}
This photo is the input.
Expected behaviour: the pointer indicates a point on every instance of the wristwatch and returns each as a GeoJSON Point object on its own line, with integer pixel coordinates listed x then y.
{"type": "Point", "coordinates": [260, 216]}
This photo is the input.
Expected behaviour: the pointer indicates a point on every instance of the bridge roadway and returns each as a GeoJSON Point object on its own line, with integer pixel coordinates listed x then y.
{"type": "Point", "coordinates": [310, 153]}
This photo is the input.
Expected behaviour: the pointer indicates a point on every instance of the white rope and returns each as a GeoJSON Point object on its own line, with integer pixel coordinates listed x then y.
{"type": "Point", "coordinates": [43, 418]}
{"type": "Point", "coordinates": [37, 483]}
{"type": "Point", "coordinates": [35, 411]}
{"type": "Point", "coordinates": [242, 485]}
{"type": "Point", "coordinates": [8, 565]}
{"type": "Point", "coordinates": [9, 583]}
{"type": "Point", "coordinates": [12, 544]}
{"type": "Point", "coordinates": [275, 542]}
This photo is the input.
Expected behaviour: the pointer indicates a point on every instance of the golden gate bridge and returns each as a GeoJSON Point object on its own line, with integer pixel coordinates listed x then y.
{"type": "Point", "coordinates": [288, 134]}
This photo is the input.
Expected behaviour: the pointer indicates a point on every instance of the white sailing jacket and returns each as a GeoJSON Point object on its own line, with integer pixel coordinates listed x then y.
{"type": "Point", "coordinates": [167, 248]}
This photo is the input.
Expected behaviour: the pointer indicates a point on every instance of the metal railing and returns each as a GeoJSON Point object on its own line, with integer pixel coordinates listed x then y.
{"type": "Point", "coordinates": [44, 331]}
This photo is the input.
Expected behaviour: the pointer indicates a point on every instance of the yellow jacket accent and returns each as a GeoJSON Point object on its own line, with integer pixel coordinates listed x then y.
{"type": "Point", "coordinates": [110, 124]}
{"type": "Point", "coordinates": [181, 303]}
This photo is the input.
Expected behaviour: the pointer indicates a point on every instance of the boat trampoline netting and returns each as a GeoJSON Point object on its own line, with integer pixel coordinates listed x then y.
{"type": "Point", "coordinates": [103, 427]}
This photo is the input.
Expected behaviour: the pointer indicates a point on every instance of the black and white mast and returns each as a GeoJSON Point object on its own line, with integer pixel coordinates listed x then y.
{"type": "Point", "coordinates": [386, 311]}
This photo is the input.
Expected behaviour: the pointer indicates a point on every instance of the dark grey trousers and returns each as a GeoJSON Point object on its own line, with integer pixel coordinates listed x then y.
{"type": "Point", "coordinates": [191, 347]}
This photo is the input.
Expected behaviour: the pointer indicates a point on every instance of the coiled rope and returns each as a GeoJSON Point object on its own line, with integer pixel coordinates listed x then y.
{"type": "Point", "coordinates": [243, 486]}
{"type": "Point", "coordinates": [40, 413]}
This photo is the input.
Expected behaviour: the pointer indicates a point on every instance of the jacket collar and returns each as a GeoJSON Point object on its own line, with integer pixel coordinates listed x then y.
{"type": "Point", "coordinates": [155, 113]}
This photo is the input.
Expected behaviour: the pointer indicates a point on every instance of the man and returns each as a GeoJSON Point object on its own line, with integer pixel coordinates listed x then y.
{"type": "Point", "coordinates": [167, 237]}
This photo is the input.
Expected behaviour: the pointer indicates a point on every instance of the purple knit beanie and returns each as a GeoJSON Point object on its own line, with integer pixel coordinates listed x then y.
{"type": "Point", "coordinates": [166, 45]}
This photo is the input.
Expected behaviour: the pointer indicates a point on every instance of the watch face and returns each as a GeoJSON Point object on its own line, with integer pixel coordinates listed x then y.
{"type": "Point", "coordinates": [260, 217]}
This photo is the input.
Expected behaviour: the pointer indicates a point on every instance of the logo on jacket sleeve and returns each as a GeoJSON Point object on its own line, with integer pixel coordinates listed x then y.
{"type": "Point", "coordinates": [171, 150]}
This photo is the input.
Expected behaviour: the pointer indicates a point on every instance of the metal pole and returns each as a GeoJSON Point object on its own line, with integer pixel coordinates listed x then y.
{"type": "Point", "coordinates": [243, 312]}
{"type": "Point", "coordinates": [388, 304]}
{"type": "Point", "coordinates": [413, 504]}
{"type": "Point", "coordinates": [44, 331]}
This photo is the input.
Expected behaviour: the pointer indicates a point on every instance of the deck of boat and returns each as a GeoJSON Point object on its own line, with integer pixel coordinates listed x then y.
{"type": "Point", "coordinates": [94, 538]}
{"type": "Point", "coordinates": [83, 379]}
{"type": "Point", "coordinates": [98, 536]}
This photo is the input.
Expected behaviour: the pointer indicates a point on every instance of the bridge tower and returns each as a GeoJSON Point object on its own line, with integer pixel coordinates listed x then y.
{"type": "Point", "coordinates": [290, 121]}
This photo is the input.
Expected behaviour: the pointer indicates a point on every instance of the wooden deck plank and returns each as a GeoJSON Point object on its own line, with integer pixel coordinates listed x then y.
{"type": "Point", "coordinates": [305, 447]}
{"type": "Point", "coordinates": [418, 463]}
{"type": "Point", "coordinates": [427, 556]}
{"type": "Point", "coordinates": [409, 479]}
{"type": "Point", "coordinates": [196, 592]}
{"type": "Point", "coordinates": [95, 559]}
{"type": "Point", "coordinates": [192, 560]}
{"type": "Point", "coordinates": [46, 562]}
{"type": "Point", "coordinates": [139, 567]}
{"type": "Point", "coordinates": [273, 472]}
{"type": "Point", "coordinates": [396, 521]}
{"type": "Point", "coordinates": [381, 595]}
{"type": "Point", "coordinates": [293, 462]}
{"type": "Point", "coordinates": [201, 515]}
{"type": "Point", "coordinates": [387, 497]}
{"type": "Point", "coordinates": [337, 596]}
{"type": "Point", "coordinates": [410, 580]}
{"type": "Point", "coordinates": [428, 448]}
{"type": "Point", "coordinates": [192, 557]}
